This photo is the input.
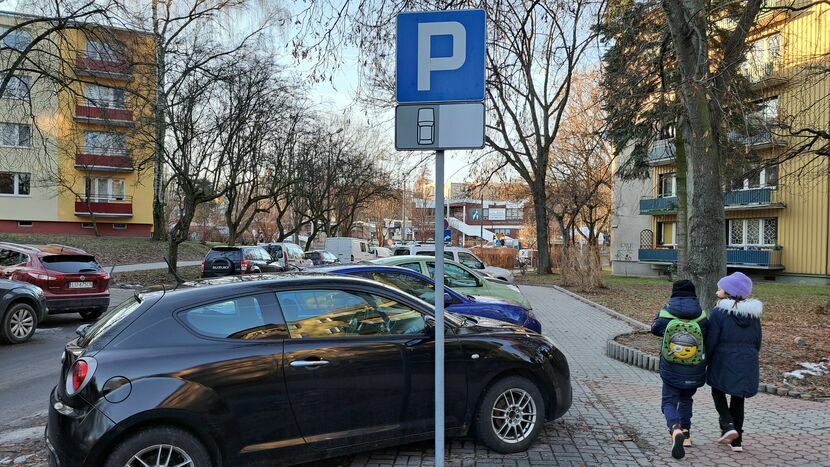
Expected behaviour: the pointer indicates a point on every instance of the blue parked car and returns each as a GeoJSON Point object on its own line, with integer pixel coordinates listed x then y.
{"type": "Point", "coordinates": [421, 286]}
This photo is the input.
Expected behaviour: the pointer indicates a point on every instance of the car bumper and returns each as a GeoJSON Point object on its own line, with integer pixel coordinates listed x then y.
{"type": "Point", "coordinates": [72, 436]}
{"type": "Point", "coordinates": [72, 304]}
{"type": "Point", "coordinates": [533, 324]}
{"type": "Point", "coordinates": [561, 392]}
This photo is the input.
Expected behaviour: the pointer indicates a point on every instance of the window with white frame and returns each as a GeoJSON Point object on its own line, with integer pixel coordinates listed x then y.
{"type": "Point", "coordinates": [15, 183]}
{"type": "Point", "coordinates": [17, 39]}
{"type": "Point", "coordinates": [766, 114]}
{"type": "Point", "coordinates": [667, 185]}
{"type": "Point", "coordinates": [514, 213]}
{"type": "Point", "coordinates": [105, 143]}
{"type": "Point", "coordinates": [104, 189]}
{"type": "Point", "coordinates": [666, 234]}
{"type": "Point", "coordinates": [102, 96]}
{"type": "Point", "coordinates": [17, 87]}
{"type": "Point", "coordinates": [15, 135]}
{"type": "Point", "coordinates": [762, 58]}
{"type": "Point", "coordinates": [765, 177]}
{"type": "Point", "coordinates": [753, 232]}
{"type": "Point", "coordinates": [104, 51]}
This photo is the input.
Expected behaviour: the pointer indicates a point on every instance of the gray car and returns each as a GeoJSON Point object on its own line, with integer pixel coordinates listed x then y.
{"type": "Point", "coordinates": [22, 308]}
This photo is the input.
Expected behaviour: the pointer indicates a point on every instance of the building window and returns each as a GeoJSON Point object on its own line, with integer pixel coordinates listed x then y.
{"type": "Point", "coordinates": [765, 115]}
{"type": "Point", "coordinates": [105, 143]}
{"type": "Point", "coordinates": [17, 87]}
{"type": "Point", "coordinates": [87, 225]}
{"type": "Point", "coordinates": [666, 234]}
{"type": "Point", "coordinates": [24, 223]}
{"type": "Point", "coordinates": [104, 51]}
{"type": "Point", "coordinates": [667, 186]}
{"type": "Point", "coordinates": [15, 135]}
{"type": "Point", "coordinates": [15, 183]}
{"type": "Point", "coordinates": [766, 177]}
{"type": "Point", "coordinates": [485, 213]}
{"type": "Point", "coordinates": [104, 189]}
{"type": "Point", "coordinates": [753, 232]}
{"type": "Point", "coordinates": [102, 96]}
{"type": "Point", "coordinates": [17, 39]}
{"type": "Point", "coordinates": [121, 226]}
{"type": "Point", "coordinates": [762, 58]}
{"type": "Point", "coordinates": [514, 213]}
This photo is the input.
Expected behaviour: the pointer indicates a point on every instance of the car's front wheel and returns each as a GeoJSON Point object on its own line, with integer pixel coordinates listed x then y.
{"type": "Point", "coordinates": [511, 415]}
{"type": "Point", "coordinates": [160, 446]}
{"type": "Point", "coordinates": [18, 324]}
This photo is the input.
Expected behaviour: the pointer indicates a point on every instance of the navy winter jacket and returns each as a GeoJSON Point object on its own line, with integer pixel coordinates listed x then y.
{"type": "Point", "coordinates": [675, 374]}
{"type": "Point", "coordinates": [733, 344]}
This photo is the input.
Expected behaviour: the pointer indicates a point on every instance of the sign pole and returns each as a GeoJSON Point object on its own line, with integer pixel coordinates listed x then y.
{"type": "Point", "coordinates": [439, 308]}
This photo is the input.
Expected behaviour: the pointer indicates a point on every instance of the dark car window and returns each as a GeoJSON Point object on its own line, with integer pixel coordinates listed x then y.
{"type": "Point", "coordinates": [414, 266]}
{"type": "Point", "coordinates": [233, 254]}
{"type": "Point", "coordinates": [401, 251]}
{"type": "Point", "coordinates": [454, 275]}
{"type": "Point", "coordinates": [246, 318]}
{"type": "Point", "coordinates": [70, 264]}
{"type": "Point", "coordinates": [413, 285]}
{"type": "Point", "coordinates": [337, 313]}
{"type": "Point", "coordinates": [12, 258]}
{"type": "Point", "coordinates": [109, 320]}
{"type": "Point", "coordinates": [469, 260]}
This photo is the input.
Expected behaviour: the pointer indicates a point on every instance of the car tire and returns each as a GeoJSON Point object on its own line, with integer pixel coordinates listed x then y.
{"type": "Point", "coordinates": [145, 445]}
{"type": "Point", "coordinates": [18, 324]}
{"type": "Point", "coordinates": [522, 405]}
{"type": "Point", "coordinates": [89, 315]}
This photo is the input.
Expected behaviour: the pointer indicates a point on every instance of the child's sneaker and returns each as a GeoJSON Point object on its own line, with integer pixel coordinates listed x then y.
{"type": "Point", "coordinates": [737, 444]}
{"type": "Point", "coordinates": [677, 439]}
{"type": "Point", "coordinates": [687, 443]}
{"type": "Point", "coordinates": [729, 434]}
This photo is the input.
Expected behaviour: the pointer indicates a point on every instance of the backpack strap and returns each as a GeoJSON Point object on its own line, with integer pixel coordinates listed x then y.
{"type": "Point", "coordinates": [664, 313]}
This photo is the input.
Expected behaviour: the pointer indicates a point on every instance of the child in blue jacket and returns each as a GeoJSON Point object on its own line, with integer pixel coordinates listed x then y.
{"type": "Point", "coordinates": [733, 344]}
{"type": "Point", "coordinates": [681, 379]}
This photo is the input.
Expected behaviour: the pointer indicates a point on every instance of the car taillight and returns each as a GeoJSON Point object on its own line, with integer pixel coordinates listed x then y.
{"type": "Point", "coordinates": [42, 277]}
{"type": "Point", "coordinates": [79, 375]}
{"type": "Point", "coordinates": [243, 265]}
{"type": "Point", "coordinates": [203, 265]}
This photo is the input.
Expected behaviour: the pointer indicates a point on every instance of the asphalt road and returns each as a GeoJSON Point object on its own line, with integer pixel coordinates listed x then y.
{"type": "Point", "coordinates": [30, 370]}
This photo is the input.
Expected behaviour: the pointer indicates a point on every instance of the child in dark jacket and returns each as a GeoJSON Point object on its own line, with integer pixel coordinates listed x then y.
{"type": "Point", "coordinates": [682, 364]}
{"type": "Point", "coordinates": [733, 344]}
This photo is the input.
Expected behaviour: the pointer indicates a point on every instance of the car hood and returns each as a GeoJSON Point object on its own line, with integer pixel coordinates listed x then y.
{"type": "Point", "coordinates": [480, 325]}
{"type": "Point", "coordinates": [493, 300]}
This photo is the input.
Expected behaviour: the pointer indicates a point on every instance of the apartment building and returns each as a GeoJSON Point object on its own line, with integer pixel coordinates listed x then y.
{"type": "Point", "coordinates": [777, 216]}
{"type": "Point", "coordinates": [76, 131]}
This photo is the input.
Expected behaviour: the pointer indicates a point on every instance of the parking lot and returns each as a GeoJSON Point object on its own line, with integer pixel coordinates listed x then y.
{"type": "Point", "coordinates": [615, 418]}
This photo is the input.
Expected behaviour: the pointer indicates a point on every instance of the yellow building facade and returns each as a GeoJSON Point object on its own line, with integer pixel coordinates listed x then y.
{"type": "Point", "coordinates": [87, 162]}
{"type": "Point", "coordinates": [778, 216]}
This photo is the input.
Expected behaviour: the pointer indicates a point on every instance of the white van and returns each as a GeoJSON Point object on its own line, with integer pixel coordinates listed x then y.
{"type": "Point", "coordinates": [349, 250]}
{"type": "Point", "coordinates": [380, 251]}
{"type": "Point", "coordinates": [458, 254]}
{"type": "Point", "coordinates": [289, 255]}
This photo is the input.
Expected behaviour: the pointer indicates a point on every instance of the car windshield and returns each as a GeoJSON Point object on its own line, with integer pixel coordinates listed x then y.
{"type": "Point", "coordinates": [109, 320]}
{"type": "Point", "coordinates": [70, 264]}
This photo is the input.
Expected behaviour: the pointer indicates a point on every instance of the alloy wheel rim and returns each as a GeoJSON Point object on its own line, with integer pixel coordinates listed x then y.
{"type": "Point", "coordinates": [513, 416]}
{"type": "Point", "coordinates": [161, 455]}
{"type": "Point", "coordinates": [22, 323]}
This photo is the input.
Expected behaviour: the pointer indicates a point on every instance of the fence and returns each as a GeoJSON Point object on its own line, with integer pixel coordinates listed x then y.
{"type": "Point", "coordinates": [500, 257]}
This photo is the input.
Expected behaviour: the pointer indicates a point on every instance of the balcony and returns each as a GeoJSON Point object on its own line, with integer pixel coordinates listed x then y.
{"type": "Point", "coordinates": [661, 152]}
{"type": "Point", "coordinates": [752, 198]}
{"type": "Point", "coordinates": [763, 75]}
{"type": "Point", "coordinates": [763, 139]}
{"type": "Point", "coordinates": [104, 206]}
{"type": "Point", "coordinates": [103, 159]}
{"type": "Point", "coordinates": [659, 205]}
{"type": "Point", "coordinates": [102, 112]}
{"type": "Point", "coordinates": [116, 68]}
{"type": "Point", "coordinates": [750, 258]}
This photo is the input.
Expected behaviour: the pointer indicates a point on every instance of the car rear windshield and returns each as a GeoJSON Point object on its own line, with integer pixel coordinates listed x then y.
{"type": "Point", "coordinates": [229, 253]}
{"type": "Point", "coordinates": [110, 320]}
{"type": "Point", "coordinates": [70, 264]}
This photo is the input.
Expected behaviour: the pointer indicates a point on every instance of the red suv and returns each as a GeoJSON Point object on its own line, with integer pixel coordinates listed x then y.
{"type": "Point", "coordinates": [71, 278]}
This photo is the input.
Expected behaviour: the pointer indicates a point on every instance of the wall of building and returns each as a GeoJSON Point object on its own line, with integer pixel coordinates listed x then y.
{"type": "Point", "coordinates": [627, 223]}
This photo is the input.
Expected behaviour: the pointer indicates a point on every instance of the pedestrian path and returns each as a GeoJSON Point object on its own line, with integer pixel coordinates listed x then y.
{"type": "Point", "coordinates": [616, 420]}
{"type": "Point", "coordinates": [147, 266]}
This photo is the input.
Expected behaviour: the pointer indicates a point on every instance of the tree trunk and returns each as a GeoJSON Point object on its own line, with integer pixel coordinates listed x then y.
{"type": "Point", "coordinates": [540, 211]}
{"type": "Point", "coordinates": [160, 116]}
{"type": "Point", "coordinates": [682, 200]}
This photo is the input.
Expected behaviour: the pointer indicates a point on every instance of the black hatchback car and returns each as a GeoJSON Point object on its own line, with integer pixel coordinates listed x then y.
{"type": "Point", "coordinates": [235, 260]}
{"type": "Point", "coordinates": [276, 370]}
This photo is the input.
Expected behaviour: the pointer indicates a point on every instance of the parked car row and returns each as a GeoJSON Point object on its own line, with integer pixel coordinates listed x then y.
{"type": "Point", "coordinates": [457, 254]}
{"type": "Point", "coordinates": [276, 369]}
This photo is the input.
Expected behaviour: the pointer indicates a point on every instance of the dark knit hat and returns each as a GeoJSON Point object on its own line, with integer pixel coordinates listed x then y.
{"type": "Point", "coordinates": [683, 288]}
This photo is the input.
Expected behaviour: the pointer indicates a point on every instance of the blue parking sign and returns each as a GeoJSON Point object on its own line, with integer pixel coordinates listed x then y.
{"type": "Point", "coordinates": [440, 56]}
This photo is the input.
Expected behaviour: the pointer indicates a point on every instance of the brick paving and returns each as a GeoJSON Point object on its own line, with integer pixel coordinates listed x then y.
{"type": "Point", "coordinates": [616, 418]}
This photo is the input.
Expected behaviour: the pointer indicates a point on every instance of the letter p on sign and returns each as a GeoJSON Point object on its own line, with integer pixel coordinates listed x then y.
{"type": "Point", "coordinates": [429, 73]}
{"type": "Point", "coordinates": [426, 62]}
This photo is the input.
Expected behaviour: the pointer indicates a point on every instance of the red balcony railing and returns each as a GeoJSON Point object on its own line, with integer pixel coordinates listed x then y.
{"type": "Point", "coordinates": [115, 67]}
{"type": "Point", "coordinates": [104, 206]}
{"type": "Point", "coordinates": [99, 111]}
{"type": "Point", "coordinates": [114, 160]}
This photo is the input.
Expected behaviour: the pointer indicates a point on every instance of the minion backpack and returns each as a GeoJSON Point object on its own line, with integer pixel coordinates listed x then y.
{"type": "Point", "coordinates": [683, 339]}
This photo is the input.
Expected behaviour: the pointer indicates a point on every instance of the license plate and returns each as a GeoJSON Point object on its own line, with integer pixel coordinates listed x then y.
{"type": "Point", "coordinates": [80, 285]}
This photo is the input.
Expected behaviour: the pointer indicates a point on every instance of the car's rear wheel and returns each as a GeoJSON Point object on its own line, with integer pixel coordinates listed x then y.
{"type": "Point", "coordinates": [160, 446]}
{"type": "Point", "coordinates": [89, 315]}
{"type": "Point", "coordinates": [19, 324]}
{"type": "Point", "coordinates": [511, 415]}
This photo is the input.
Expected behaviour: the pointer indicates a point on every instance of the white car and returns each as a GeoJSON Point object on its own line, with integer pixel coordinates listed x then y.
{"type": "Point", "coordinates": [461, 255]}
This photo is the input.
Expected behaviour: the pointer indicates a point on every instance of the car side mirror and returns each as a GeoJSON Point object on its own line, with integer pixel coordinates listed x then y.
{"type": "Point", "coordinates": [429, 330]}
{"type": "Point", "coordinates": [447, 299]}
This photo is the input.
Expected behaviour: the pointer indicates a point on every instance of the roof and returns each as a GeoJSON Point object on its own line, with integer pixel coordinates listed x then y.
{"type": "Point", "coordinates": [51, 249]}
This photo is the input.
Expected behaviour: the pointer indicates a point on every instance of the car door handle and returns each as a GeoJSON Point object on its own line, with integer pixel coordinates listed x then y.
{"type": "Point", "coordinates": [308, 363]}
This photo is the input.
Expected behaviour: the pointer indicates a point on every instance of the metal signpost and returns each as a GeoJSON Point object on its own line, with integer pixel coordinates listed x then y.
{"type": "Point", "coordinates": [440, 94]}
